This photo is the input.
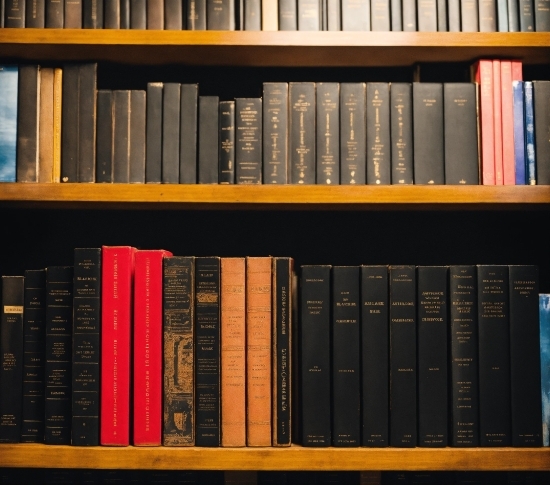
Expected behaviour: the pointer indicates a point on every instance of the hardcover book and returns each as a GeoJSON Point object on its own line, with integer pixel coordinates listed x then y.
{"type": "Point", "coordinates": [87, 119]}
{"type": "Point", "coordinates": [530, 135]}
{"type": "Point", "coordinates": [138, 14]}
{"type": "Point", "coordinates": [45, 125]}
{"type": "Point", "coordinates": [208, 144]}
{"type": "Point", "coordinates": [121, 136]}
{"type": "Point", "coordinates": [54, 14]}
{"type": "Point", "coordinates": [153, 144]}
{"type": "Point", "coordinates": [220, 14]}
{"type": "Point", "coordinates": [124, 14]}
{"type": "Point", "coordinates": [288, 15]}
{"type": "Point", "coordinates": [69, 127]}
{"type": "Point", "coordinates": [487, 15]}
{"type": "Point", "coordinates": [507, 102]}
{"type": "Point", "coordinates": [227, 142]}
{"type": "Point", "coordinates": [542, 16]}
{"type": "Point", "coordinates": [8, 122]}
{"type": "Point", "coordinates": [519, 132]}
{"type": "Point", "coordinates": [378, 134]}
{"type": "Point", "coordinates": [14, 13]}
{"type": "Point", "coordinates": [328, 133]}
{"type": "Point", "coordinates": [73, 14]}
{"type": "Point", "coordinates": [309, 15]}
{"type": "Point", "coordinates": [541, 102]}
{"type": "Point", "coordinates": [544, 318]}
{"type": "Point", "coordinates": [380, 15]}
{"type": "Point", "coordinates": [35, 14]}
{"type": "Point", "coordinates": [105, 126]}
{"type": "Point", "coordinates": [469, 14]}
{"type": "Point", "coordinates": [497, 114]}
{"type": "Point", "coordinates": [196, 15]}
{"type": "Point", "coordinates": [248, 140]}
{"type": "Point", "coordinates": [302, 132]}
{"type": "Point", "coordinates": [401, 133]}
{"type": "Point", "coordinates": [409, 9]}
{"type": "Point", "coordinates": [355, 15]}
{"type": "Point", "coordinates": [275, 133]}
{"type": "Point", "coordinates": [270, 15]}
{"type": "Point", "coordinates": [396, 15]}
{"type": "Point", "coordinates": [188, 133]}
{"type": "Point", "coordinates": [92, 16]}
{"type": "Point", "coordinates": [155, 15]}
{"type": "Point", "coordinates": [252, 14]}
{"type": "Point", "coordinates": [427, 15]}
{"type": "Point", "coordinates": [171, 133]}
{"type": "Point", "coordinates": [353, 163]}
{"type": "Point", "coordinates": [137, 136]}
{"type": "Point", "coordinates": [111, 14]}
{"type": "Point", "coordinates": [173, 15]}
{"type": "Point", "coordinates": [526, 16]}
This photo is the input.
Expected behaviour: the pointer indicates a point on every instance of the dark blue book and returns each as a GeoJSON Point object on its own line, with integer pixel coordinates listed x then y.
{"type": "Point", "coordinates": [544, 322]}
{"type": "Point", "coordinates": [529, 134]}
{"type": "Point", "coordinates": [519, 132]}
{"type": "Point", "coordinates": [9, 76]}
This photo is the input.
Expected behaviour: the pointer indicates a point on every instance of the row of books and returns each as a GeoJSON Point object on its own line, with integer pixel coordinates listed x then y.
{"type": "Point", "coordinates": [297, 132]}
{"type": "Point", "coordinates": [269, 15]}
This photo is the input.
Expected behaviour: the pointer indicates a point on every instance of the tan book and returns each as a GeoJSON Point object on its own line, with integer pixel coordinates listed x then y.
{"type": "Point", "coordinates": [45, 126]}
{"type": "Point", "coordinates": [270, 15]}
{"type": "Point", "coordinates": [258, 350]}
{"type": "Point", "coordinates": [57, 100]}
{"type": "Point", "coordinates": [233, 356]}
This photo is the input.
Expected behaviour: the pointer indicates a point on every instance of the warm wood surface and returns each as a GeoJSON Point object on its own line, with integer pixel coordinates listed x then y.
{"type": "Point", "coordinates": [247, 48]}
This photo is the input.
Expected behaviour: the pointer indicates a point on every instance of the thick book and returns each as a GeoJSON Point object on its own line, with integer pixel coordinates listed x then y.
{"type": "Point", "coordinates": [73, 14]}
{"type": "Point", "coordinates": [463, 359]}
{"type": "Point", "coordinates": [507, 107]}
{"type": "Point", "coordinates": [353, 163]}
{"type": "Point", "coordinates": [331, 15]}
{"type": "Point", "coordinates": [288, 15]}
{"type": "Point", "coordinates": [270, 15]}
{"type": "Point", "coordinates": [487, 15]}
{"type": "Point", "coordinates": [155, 15]}
{"type": "Point", "coordinates": [248, 140]}
{"type": "Point", "coordinates": [402, 171]}
{"type": "Point", "coordinates": [34, 347]}
{"type": "Point", "coordinates": [432, 298]}
{"type": "Point", "coordinates": [8, 120]}
{"type": "Point", "coordinates": [138, 14]}
{"type": "Point", "coordinates": [309, 15]}
{"type": "Point", "coordinates": [86, 346]}
{"type": "Point", "coordinates": [11, 348]}
{"type": "Point", "coordinates": [525, 383]}
{"type": "Point", "coordinates": [544, 319]}
{"type": "Point", "coordinates": [105, 119]}
{"type": "Point", "coordinates": [138, 117]}
{"type": "Point", "coordinates": [315, 355]}
{"type": "Point", "coordinates": [403, 370]}
{"type": "Point", "coordinates": [258, 350]}
{"type": "Point", "coordinates": [117, 279]}
{"type": "Point", "coordinates": [207, 352]}
{"type": "Point", "coordinates": [45, 125]}
{"type": "Point", "coordinates": [355, 15]}
{"type": "Point", "coordinates": [378, 134]}
{"type": "Point", "coordinates": [153, 158]}
{"type": "Point", "coordinates": [121, 136]}
{"type": "Point", "coordinates": [171, 133]}
{"type": "Point", "coordinates": [208, 145]}
{"type": "Point", "coordinates": [220, 14]}
{"type": "Point", "coordinates": [396, 15]}
{"type": "Point", "coordinates": [188, 133]}
{"type": "Point", "coordinates": [196, 15]}
{"type": "Point", "coordinates": [328, 133]}
{"type": "Point", "coordinates": [460, 134]}
{"type": "Point", "coordinates": [513, 15]}
{"type": "Point", "coordinates": [302, 132]}
{"type": "Point", "coordinates": [502, 16]}
{"type": "Point", "coordinates": [233, 351]}
{"type": "Point", "coordinates": [526, 16]}
{"type": "Point", "coordinates": [380, 15]}
{"type": "Point", "coordinates": [87, 118]}
{"type": "Point", "coordinates": [375, 371]}
{"type": "Point", "coordinates": [497, 120]}
{"type": "Point", "coordinates": [179, 369]}
{"type": "Point", "coordinates": [519, 132]}
{"type": "Point", "coordinates": [494, 355]}
{"type": "Point", "coordinates": [92, 14]}
{"type": "Point", "coordinates": [483, 77]}
{"type": "Point", "coordinates": [541, 102]}
{"type": "Point", "coordinates": [275, 133]}
{"type": "Point", "coordinates": [173, 15]}
{"type": "Point", "coordinates": [410, 13]}
{"type": "Point", "coordinates": [428, 132]}
{"type": "Point", "coordinates": [346, 356]}
{"type": "Point", "coordinates": [57, 376]}
{"type": "Point", "coordinates": [252, 14]}
{"type": "Point", "coordinates": [453, 15]}
{"type": "Point", "coordinates": [469, 15]}
{"type": "Point", "coordinates": [125, 14]}
{"type": "Point", "coordinates": [227, 143]}
{"type": "Point", "coordinates": [111, 14]}
{"type": "Point", "coordinates": [54, 14]}
{"type": "Point", "coordinates": [35, 14]}
{"type": "Point", "coordinates": [542, 16]}
{"type": "Point", "coordinates": [70, 123]}
{"type": "Point", "coordinates": [427, 15]}
{"type": "Point", "coordinates": [530, 135]}
{"type": "Point", "coordinates": [14, 13]}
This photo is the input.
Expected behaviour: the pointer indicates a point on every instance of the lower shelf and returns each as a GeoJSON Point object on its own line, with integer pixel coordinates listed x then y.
{"type": "Point", "coordinates": [294, 458]}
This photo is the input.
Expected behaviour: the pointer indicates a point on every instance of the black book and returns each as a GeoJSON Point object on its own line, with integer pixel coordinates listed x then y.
{"type": "Point", "coordinates": [403, 397]}
{"type": "Point", "coordinates": [220, 14]}
{"type": "Point", "coordinates": [469, 15]}
{"type": "Point", "coordinates": [460, 134]}
{"type": "Point", "coordinates": [541, 102]}
{"type": "Point", "coordinates": [171, 133]}
{"type": "Point", "coordinates": [525, 384]}
{"type": "Point", "coordinates": [188, 133]}
{"type": "Point", "coordinates": [375, 356]}
{"type": "Point", "coordinates": [86, 346]}
{"type": "Point", "coordinates": [153, 143]}
{"type": "Point", "coordinates": [427, 15]}
{"type": "Point", "coordinates": [92, 14]}
{"type": "Point", "coordinates": [11, 350]}
{"type": "Point", "coordinates": [227, 142]}
{"type": "Point", "coordinates": [87, 96]}
{"type": "Point", "coordinates": [288, 19]}
{"type": "Point", "coordinates": [173, 15]}
{"type": "Point", "coordinates": [137, 136]}
{"type": "Point", "coordinates": [54, 14]}
{"type": "Point", "coordinates": [34, 347]}
{"type": "Point", "coordinates": [396, 16]}
{"type": "Point", "coordinates": [432, 301]}
{"type": "Point", "coordinates": [380, 15]}
{"type": "Point", "coordinates": [196, 15]}
{"type": "Point", "coordinates": [542, 15]}
{"type": "Point", "coordinates": [111, 14]}
{"type": "Point", "coordinates": [70, 123]}
{"type": "Point", "coordinates": [14, 13]}
{"type": "Point", "coordinates": [328, 133]}
{"type": "Point", "coordinates": [208, 140]}
{"type": "Point", "coordinates": [346, 356]}
{"type": "Point", "coordinates": [401, 134]}
{"type": "Point", "coordinates": [207, 353]}
{"type": "Point", "coordinates": [28, 104]}
{"type": "Point", "coordinates": [488, 15]}
{"type": "Point", "coordinates": [124, 14]}
{"type": "Point", "coordinates": [35, 14]}
{"type": "Point", "coordinates": [252, 15]}
{"type": "Point", "coordinates": [248, 140]}
{"type": "Point", "coordinates": [59, 325]}
{"type": "Point", "coordinates": [275, 133]}
{"type": "Point", "coordinates": [315, 343]}
{"type": "Point", "coordinates": [355, 15]}
{"type": "Point", "coordinates": [296, 363]}
{"type": "Point", "coordinates": [155, 14]}
{"type": "Point", "coordinates": [353, 143]}
{"type": "Point", "coordinates": [302, 132]}
{"type": "Point", "coordinates": [464, 408]}
{"type": "Point", "coordinates": [378, 134]}
{"type": "Point", "coordinates": [429, 166]}
{"type": "Point", "coordinates": [121, 136]}
{"type": "Point", "coordinates": [409, 12]}
{"type": "Point", "coordinates": [526, 16]}
{"type": "Point", "coordinates": [73, 14]}
{"type": "Point", "coordinates": [138, 14]}
{"type": "Point", "coordinates": [104, 161]}
{"type": "Point", "coordinates": [513, 15]}
{"type": "Point", "coordinates": [494, 355]}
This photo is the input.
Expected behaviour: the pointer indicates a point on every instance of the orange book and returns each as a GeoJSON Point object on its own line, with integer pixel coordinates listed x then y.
{"type": "Point", "coordinates": [258, 350]}
{"type": "Point", "coordinates": [233, 341]}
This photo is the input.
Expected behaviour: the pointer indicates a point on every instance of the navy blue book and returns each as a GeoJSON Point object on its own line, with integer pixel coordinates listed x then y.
{"type": "Point", "coordinates": [544, 321]}
{"type": "Point", "coordinates": [9, 76]}
{"type": "Point", "coordinates": [519, 131]}
{"type": "Point", "coordinates": [531, 178]}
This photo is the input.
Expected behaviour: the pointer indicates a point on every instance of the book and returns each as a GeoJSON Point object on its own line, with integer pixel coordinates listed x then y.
{"type": "Point", "coordinates": [258, 350]}
{"type": "Point", "coordinates": [70, 123]}
{"type": "Point", "coordinates": [487, 15]}
{"type": "Point", "coordinates": [173, 15]}
{"type": "Point", "coordinates": [92, 14]}
{"type": "Point", "coordinates": [401, 136]}
{"type": "Point", "coordinates": [45, 125]}
{"type": "Point", "coordinates": [54, 14]}
{"type": "Point", "coordinates": [121, 135]}
{"type": "Point", "coordinates": [396, 16]}
{"type": "Point", "coordinates": [248, 140]}
{"type": "Point", "coordinates": [542, 16]}
{"type": "Point", "coordinates": [105, 126]}
{"type": "Point", "coordinates": [155, 15]}
{"type": "Point", "coordinates": [125, 14]}
{"type": "Point", "coordinates": [288, 15]}
{"type": "Point", "coordinates": [57, 374]}
{"type": "Point", "coordinates": [502, 16]}
{"type": "Point", "coordinates": [328, 133]}
{"type": "Point", "coordinates": [444, 13]}
{"type": "Point", "coordinates": [507, 103]}
{"type": "Point", "coordinates": [469, 15]}
{"type": "Point", "coordinates": [138, 14]}
{"type": "Point", "coordinates": [57, 125]}
{"type": "Point", "coordinates": [35, 15]}
{"type": "Point", "coordinates": [111, 14]}
{"type": "Point", "coordinates": [409, 10]}
{"type": "Point", "coordinates": [252, 14]}
{"type": "Point", "coordinates": [148, 356]}
{"type": "Point", "coordinates": [355, 15]}
{"type": "Point", "coordinates": [513, 15]}
{"type": "Point", "coordinates": [519, 132]}
{"type": "Point", "coordinates": [196, 15]}
{"type": "Point", "coordinates": [73, 14]}
{"type": "Point", "coordinates": [11, 348]}
{"type": "Point", "coordinates": [8, 122]}
{"type": "Point", "coordinates": [302, 132]}
{"type": "Point", "coordinates": [138, 106]}
{"type": "Point", "coordinates": [346, 356]}
{"type": "Point", "coordinates": [309, 15]}
{"type": "Point", "coordinates": [233, 351]}
{"type": "Point", "coordinates": [87, 119]}
{"type": "Point", "coordinates": [427, 15]}
{"type": "Point", "coordinates": [541, 104]}
{"type": "Point", "coordinates": [380, 15]}
{"type": "Point", "coordinates": [34, 356]}
{"type": "Point", "coordinates": [530, 135]}
{"type": "Point", "coordinates": [207, 352]}
{"type": "Point", "coordinates": [494, 355]}
{"type": "Point", "coordinates": [353, 134]}
{"type": "Point", "coordinates": [227, 143]}
{"type": "Point", "coordinates": [275, 132]}
{"type": "Point", "coordinates": [188, 133]}
{"type": "Point", "coordinates": [497, 119]}
{"type": "Point", "coordinates": [524, 283]}
{"type": "Point", "coordinates": [315, 354]}
{"type": "Point", "coordinates": [208, 145]}
{"type": "Point", "coordinates": [171, 133]}
{"type": "Point", "coordinates": [526, 16]}
{"type": "Point", "coordinates": [483, 76]}
{"type": "Point", "coordinates": [544, 319]}
{"type": "Point", "coordinates": [86, 346]}
{"type": "Point", "coordinates": [153, 143]}
{"type": "Point", "coordinates": [375, 356]}
{"type": "Point", "coordinates": [378, 134]}
{"type": "Point", "coordinates": [179, 350]}
{"type": "Point", "coordinates": [270, 15]}
{"type": "Point", "coordinates": [117, 279]}
{"type": "Point", "coordinates": [220, 15]}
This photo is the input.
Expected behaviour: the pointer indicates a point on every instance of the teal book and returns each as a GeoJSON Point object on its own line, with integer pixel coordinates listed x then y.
{"type": "Point", "coordinates": [544, 318]}
{"type": "Point", "coordinates": [8, 122]}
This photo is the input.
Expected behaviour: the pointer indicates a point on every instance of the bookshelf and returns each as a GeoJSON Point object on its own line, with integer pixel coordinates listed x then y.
{"type": "Point", "coordinates": [336, 225]}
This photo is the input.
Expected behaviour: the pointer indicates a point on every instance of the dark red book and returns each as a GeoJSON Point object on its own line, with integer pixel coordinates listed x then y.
{"type": "Point", "coordinates": [483, 76]}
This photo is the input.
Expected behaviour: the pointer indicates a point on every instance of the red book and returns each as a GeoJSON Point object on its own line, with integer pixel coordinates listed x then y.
{"type": "Point", "coordinates": [517, 70]}
{"type": "Point", "coordinates": [484, 78]}
{"type": "Point", "coordinates": [497, 120]}
{"type": "Point", "coordinates": [116, 325]}
{"type": "Point", "coordinates": [148, 353]}
{"type": "Point", "coordinates": [507, 102]}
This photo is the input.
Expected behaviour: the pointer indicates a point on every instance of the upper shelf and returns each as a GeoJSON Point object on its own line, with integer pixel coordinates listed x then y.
{"type": "Point", "coordinates": [248, 48]}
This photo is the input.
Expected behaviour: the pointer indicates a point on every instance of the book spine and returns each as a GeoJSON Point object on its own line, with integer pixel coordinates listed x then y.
{"type": "Point", "coordinates": [530, 136]}
{"type": "Point", "coordinates": [525, 383]}
{"type": "Point", "coordinates": [442, 24]}
{"type": "Point", "coordinates": [220, 14]}
{"type": "Point", "coordinates": [346, 365]}
{"type": "Point", "coordinates": [207, 357]}
{"type": "Point", "coordinates": [432, 356]}
{"type": "Point", "coordinates": [288, 15]}
{"type": "Point", "coordinates": [427, 15]}
{"type": "Point", "coordinates": [104, 163]}
{"type": "Point", "coordinates": [173, 15]}
{"type": "Point", "coordinates": [111, 14]}
{"type": "Point", "coordinates": [57, 123]}
{"type": "Point", "coordinates": [196, 15]}
{"type": "Point", "coordinates": [296, 363]}
{"type": "Point", "coordinates": [409, 10]}
{"type": "Point", "coordinates": [513, 15]}
{"type": "Point", "coordinates": [138, 14]}
{"type": "Point", "coordinates": [487, 15]}
{"type": "Point", "coordinates": [59, 329]}
{"type": "Point", "coordinates": [137, 136]}
{"type": "Point", "coordinates": [380, 15]}
{"type": "Point", "coordinates": [484, 78]}
{"type": "Point", "coordinates": [270, 15]}
{"type": "Point", "coordinates": [332, 15]}
{"type": "Point", "coordinates": [35, 14]}
{"type": "Point", "coordinates": [502, 15]}
{"type": "Point", "coordinates": [328, 133]}
{"type": "Point", "coordinates": [155, 14]}
{"type": "Point", "coordinates": [233, 352]}
{"type": "Point", "coordinates": [309, 15]}
{"type": "Point", "coordinates": [378, 134]}
{"type": "Point", "coordinates": [188, 133]}
{"type": "Point", "coordinates": [14, 14]}
{"type": "Point", "coordinates": [153, 161]}
{"type": "Point", "coordinates": [92, 14]}
{"type": "Point", "coordinates": [252, 15]}
{"type": "Point", "coordinates": [541, 102]}
{"type": "Point", "coordinates": [355, 15]}
{"type": "Point", "coordinates": [121, 136]}
{"type": "Point", "coordinates": [208, 139]}
{"type": "Point", "coordinates": [403, 321]}
{"type": "Point", "coordinates": [494, 355]}
{"type": "Point", "coordinates": [86, 346]}
{"type": "Point", "coordinates": [375, 356]}
{"type": "Point", "coordinates": [302, 132]}
{"type": "Point", "coordinates": [11, 350]}
{"type": "Point", "coordinates": [526, 16]}
{"type": "Point", "coordinates": [544, 319]}
{"type": "Point", "coordinates": [464, 409]}
{"type": "Point", "coordinates": [34, 331]}
{"type": "Point", "coordinates": [73, 14]}
{"type": "Point", "coordinates": [117, 277]}
{"type": "Point", "coordinates": [401, 133]}
{"type": "Point", "coordinates": [396, 16]}
{"type": "Point", "coordinates": [179, 369]}
{"type": "Point", "coordinates": [508, 165]}
{"type": "Point", "coordinates": [542, 16]}
{"type": "Point", "coordinates": [45, 126]}
{"type": "Point", "coordinates": [54, 14]}
{"type": "Point", "coordinates": [124, 14]}
{"type": "Point", "coordinates": [248, 140]}
{"type": "Point", "coordinates": [70, 123]}
{"type": "Point", "coordinates": [519, 133]}
{"type": "Point", "coordinates": [497, 120]}
{"type": "Point", "coordinates": [227, 142]}
{"type": "Point", "coordinates": [275, 133]}
{"type": "Point", "coordinates": [171, 133]}
{"type": "Point", "coordinates": [87, 119]}
{"type": "Point", "coordinates": [469, 15]}
{"type": "Point", "coordinates": [8, 119]}
{"type": "Point", "coordinates": [353, 157]}
{"type": "Point", "coordinates": [315, 353]}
